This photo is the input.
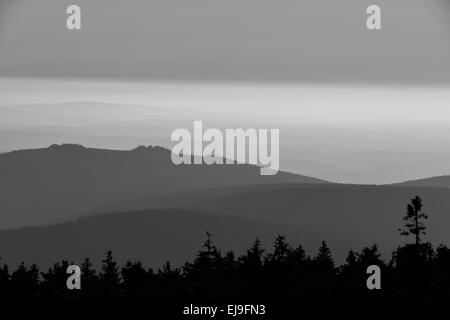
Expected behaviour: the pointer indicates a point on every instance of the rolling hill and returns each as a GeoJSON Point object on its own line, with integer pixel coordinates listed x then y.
{"type": "Point", "coordinates": [61, 183]}
{"type": "Point", "coordinates": [340, 214]}
{"type": "Point", "coordinates": [152, 236]}
{"type": "Point", "coordinates": [432, 182]}
{"type": "Point", "coordinates": [41, 186]}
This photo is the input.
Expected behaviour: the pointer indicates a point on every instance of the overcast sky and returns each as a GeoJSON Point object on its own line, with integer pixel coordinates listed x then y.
{"type": "Point", "coordinates": [346, 98]}
{"type": "Point", "coordinates": [277, 40]}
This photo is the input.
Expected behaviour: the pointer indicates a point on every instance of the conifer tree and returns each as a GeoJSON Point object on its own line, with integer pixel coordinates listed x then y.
{"type": "Point", "coordinates": [109, 276]}
{"type": "Point", "coordinates": [324, 260]}
{"type": "Point", "coordinates": [414, 220]}
{"type": "Point", "coordinates": [134, 279]}
{"type": "Point", "coordinates": [4, 279]}
{"type": "Point", "coordinates": [281, 250]}
{"type": "Point", "coordinates": [88, 278]}
{"type": "Point", "coordinates": [254, 257]}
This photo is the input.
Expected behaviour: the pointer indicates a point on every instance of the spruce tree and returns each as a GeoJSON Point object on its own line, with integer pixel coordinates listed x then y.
{"type": "Point", "coordinates": [324, 259]}
{"type": "Point", "coordinates": [88, 279]}
{"type": "Point", "coordinates": [109, 276]}
{"type": "Point", "coordinates": [414, 220]}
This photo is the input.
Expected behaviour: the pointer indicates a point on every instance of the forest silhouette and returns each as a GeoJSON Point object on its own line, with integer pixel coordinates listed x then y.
{"type": "Point", "coordinates": [414, 271]}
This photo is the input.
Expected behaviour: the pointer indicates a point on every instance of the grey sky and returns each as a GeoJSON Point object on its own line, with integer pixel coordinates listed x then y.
{"type": "Point", "coordinates": [282, 40]}
{"type": "Point", "coordinates": [348, 133]}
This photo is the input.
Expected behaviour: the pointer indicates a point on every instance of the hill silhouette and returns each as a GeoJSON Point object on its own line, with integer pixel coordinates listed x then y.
{"type": "Point", "coordinates": [347, 217]}
{"type": "Point", "coordinates": [343, 215]}
{"type": "Point", "coordinates": [61, 183]}
{"type": "Point", "coordinates": [152, 236]}
{"type": "Point", "coordinates": [432, 182]}
{"type": "Point", "coordinates": [286, 272]}
{"type": "Point", "coordinates": [40, 186]}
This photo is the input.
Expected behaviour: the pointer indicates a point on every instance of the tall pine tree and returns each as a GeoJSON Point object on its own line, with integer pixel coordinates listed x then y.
{"type": "Point", "coordinates": [414, 220]}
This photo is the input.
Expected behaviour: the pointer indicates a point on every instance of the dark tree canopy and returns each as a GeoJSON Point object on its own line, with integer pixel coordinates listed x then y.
{"type": "Point", "coordinates": [418, 271]}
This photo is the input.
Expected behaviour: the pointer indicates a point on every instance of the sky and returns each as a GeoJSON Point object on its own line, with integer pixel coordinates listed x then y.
{"type": "Point", "coordinates": [352, 134]}
{"type": "Point", "coordinates": [353, 105]}
{"type": "Point", "coordinates": [236, 40]}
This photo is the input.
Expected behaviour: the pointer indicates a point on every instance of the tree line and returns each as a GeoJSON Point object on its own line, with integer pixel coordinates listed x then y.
{"type": "Point", "coordinates": [417, 270]}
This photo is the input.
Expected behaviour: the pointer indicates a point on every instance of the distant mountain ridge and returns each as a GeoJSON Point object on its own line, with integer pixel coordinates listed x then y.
{"type": "Point", "coordinates": [432, 182]}
{"type": "Point", "coordinates": [40, 186]}
{"type": "Point", "coordinates": [152, 236]}
{"type": "Point", "coordinates": [343, 215]}
{"type": "Point", "coordinates": [63, 182]}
